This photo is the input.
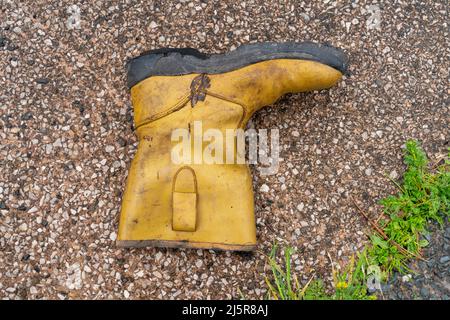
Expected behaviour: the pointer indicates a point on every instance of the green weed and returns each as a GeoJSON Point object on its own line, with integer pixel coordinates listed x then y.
{"type": "Point", "coordinates": [349, 284]}
{"type": "Point", "coordinates": [423, 197]}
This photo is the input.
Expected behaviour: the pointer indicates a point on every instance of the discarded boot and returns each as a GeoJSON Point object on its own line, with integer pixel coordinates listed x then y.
{"type": "Point", "coordinates": [206, 205]}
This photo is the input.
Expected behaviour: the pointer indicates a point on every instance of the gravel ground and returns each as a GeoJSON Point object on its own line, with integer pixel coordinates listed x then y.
{"type": "Point", "coordinates": [67, 138]}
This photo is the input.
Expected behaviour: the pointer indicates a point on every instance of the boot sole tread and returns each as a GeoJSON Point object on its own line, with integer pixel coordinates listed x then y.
{"type": "Point", "coordinates": [181, 61]}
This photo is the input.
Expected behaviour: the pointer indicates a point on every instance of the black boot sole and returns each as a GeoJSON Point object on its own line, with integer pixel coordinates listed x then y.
{"type": "Point", "coordinates": [173, 62]}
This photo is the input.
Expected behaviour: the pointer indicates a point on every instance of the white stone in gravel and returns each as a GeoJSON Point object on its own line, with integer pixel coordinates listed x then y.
{"type": "Point", "coordinates": [158, 256]}
{"type": "Point", "coordinates": [199, 263]}
{"type": "Point", "coordinates": [140, 273]}
{"type": "Point", "coordinates": [23, 227]}
{"type": "Point", "coordinates": [109, 148]}
{"type": "Point", "coordinates": [347, 26]}
{"type": "Point", "coordinates": [57, 143]}
{"type": "Point", "coordinates": [264, 188]}
{"type": "Point", "coordinates": [113, 236]}
{"type": "Point", "coordinates": [305, 17]}
{"type": "Point", "coordinates": [33, 210]}
{"type": "Point", "coordinates": [48, 148]}
{"type": "Point", "coordinates": [153, 25]}
{"type": "Point", "coordinates": [406, 278]}
{"type": "Point", "coordinates": [368, 171]}
{"type": "Point", "coordinates": [176, 294]}
{"type": "Point", "coordinates": [300, 206]}
{"type": "Point", "coordinates": [364, 135]}
{"type": "Point", "coordinates": [126, 294]}
{"type": "Point", "coordinates": [393, 174]}
{"type": "Point", "coordinates": [33, 290]}
{"type": "Point", "coordinates": [304, 223]}
{"type": "Point", "coordinates": [295, 133]}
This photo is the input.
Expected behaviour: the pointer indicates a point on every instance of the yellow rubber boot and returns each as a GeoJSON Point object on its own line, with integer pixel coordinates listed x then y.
{"type": "Point", "coordinates": [201, 205]}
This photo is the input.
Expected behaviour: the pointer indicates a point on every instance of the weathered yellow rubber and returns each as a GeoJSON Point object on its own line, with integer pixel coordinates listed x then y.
{"type": "Point", "coordinates": [202, 205]}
